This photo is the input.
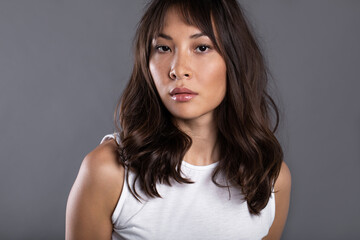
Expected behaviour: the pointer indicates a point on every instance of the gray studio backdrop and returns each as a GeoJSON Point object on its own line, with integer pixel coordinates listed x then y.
{"type": "Point", "coordinates": [63, 65]}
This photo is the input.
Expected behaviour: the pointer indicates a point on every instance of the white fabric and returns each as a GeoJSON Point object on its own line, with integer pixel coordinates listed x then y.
{"type": "Point", "coordinates": [189, 211]}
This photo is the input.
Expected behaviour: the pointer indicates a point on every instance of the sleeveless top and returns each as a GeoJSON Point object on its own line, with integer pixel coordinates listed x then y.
{"type": "Point", "coordinates": [200, 210]}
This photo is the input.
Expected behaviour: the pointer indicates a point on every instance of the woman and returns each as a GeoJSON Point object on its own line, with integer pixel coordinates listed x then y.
{"type": "Point", "coordinates": [194, 156]}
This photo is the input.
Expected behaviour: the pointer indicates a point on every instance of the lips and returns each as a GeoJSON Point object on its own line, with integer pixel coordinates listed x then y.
{"type": "Point", "coordinates": [181, 91]}
{"type": "Point", "coordinates": [182, 94]}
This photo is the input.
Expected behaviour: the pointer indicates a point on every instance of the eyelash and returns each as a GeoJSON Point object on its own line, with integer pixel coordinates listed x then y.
{"type": "Point", "coordinates": [206, 46]}
{"type": "Point", "coordinates": [160, 48]}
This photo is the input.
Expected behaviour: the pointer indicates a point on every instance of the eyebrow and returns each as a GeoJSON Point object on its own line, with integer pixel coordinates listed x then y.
{"type": "Point", "coordinates": [196, 35]}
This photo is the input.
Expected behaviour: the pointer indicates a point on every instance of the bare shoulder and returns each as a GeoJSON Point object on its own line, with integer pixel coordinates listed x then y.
{"type": "Point", "coordinates": [102, 169]}
{"type": "Point", "coordinates": [95, 194]}
{"type": "Point", "coordinates": [282, 189]}
{"type": "Point", "coordinates": [283, 182]}
{"type": "Point", "coordinates": [103, 159]}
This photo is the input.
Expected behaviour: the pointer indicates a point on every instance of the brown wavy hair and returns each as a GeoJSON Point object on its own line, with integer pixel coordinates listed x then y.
{"type": "Point", "coordinates": [153, 147]}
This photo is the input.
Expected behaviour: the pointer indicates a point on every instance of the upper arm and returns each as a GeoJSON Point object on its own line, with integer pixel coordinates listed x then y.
{"type": "Point", "coordinates": [282, 200]}
{"type": "Point", "coordinates": [94, 195]}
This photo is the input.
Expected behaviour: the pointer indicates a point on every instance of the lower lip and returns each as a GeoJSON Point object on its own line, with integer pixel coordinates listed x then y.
{"type": "Point", "coordinates": [183, 97]}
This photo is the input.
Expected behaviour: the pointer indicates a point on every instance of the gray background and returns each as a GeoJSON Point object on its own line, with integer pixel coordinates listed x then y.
{"type": "Point", "coordinates": [63, 65]}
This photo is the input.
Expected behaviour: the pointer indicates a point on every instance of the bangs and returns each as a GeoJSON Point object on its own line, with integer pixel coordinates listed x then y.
{"type": "Point", "coordinates": [195, 13]}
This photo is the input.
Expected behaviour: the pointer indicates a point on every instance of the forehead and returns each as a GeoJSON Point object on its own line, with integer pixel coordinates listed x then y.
{"type": "Point", "coordinates": [174, 20]}
{"type": "Point", "coordinates": [199, 18]}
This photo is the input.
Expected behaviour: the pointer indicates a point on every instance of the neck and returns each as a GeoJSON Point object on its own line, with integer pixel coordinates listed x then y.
{"type": "Point", "coordinates": [203, 132]}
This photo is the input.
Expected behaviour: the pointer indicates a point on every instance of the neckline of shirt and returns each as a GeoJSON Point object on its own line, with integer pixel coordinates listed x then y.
{"type": "Point", "coordinates": [116, 136]}
{"type": "Point", "coordinates": [200, 167]}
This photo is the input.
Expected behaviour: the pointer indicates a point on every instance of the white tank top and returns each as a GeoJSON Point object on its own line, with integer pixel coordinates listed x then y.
{"type": "Point", "coordinates": [189, 211]}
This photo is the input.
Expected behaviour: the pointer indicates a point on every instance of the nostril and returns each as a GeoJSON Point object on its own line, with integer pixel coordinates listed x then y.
{"type": "Point", "coordinates": [172, 75]}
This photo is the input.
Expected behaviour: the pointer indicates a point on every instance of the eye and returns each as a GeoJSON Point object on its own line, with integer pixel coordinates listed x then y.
{"type": "Point", "coordinates": [162, 49]}
{"type": "Point", "coordinates": [202, 48]}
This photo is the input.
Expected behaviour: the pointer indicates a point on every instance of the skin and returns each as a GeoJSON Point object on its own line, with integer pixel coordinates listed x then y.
{"type": "Point", "coordinates": [183, 57]}
{"type": "Point", "coordinates": [94, 194]}
{"type": "Point", "coordinates": [179, 62]}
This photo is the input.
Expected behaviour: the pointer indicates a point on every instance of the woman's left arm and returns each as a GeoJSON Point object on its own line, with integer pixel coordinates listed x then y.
{"type": "Point", "coordinates": [282, 200]}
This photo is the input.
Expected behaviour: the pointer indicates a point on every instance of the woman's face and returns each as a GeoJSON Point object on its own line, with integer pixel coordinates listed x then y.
{"type": "Point", "coordinates": [189, 74]}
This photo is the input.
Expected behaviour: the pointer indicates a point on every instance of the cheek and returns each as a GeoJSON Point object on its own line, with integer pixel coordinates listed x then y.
{"type": "Point", "coordinates": [157, 71]}
{"type": "Point", "coordinates": [215, 73]}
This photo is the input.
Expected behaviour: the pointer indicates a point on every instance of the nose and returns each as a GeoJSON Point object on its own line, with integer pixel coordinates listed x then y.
{"type": "Point", "coordinates": [180, 68]}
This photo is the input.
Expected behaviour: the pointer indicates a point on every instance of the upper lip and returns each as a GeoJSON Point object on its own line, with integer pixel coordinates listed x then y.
{"type": "Point", "coordinates": [181, 90]}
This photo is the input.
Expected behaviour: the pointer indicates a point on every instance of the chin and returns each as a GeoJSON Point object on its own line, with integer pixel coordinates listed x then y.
{"type": "Point", "coordinates": [192, 115]}
{"type": "Point", "coordinates": [183, 116]}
